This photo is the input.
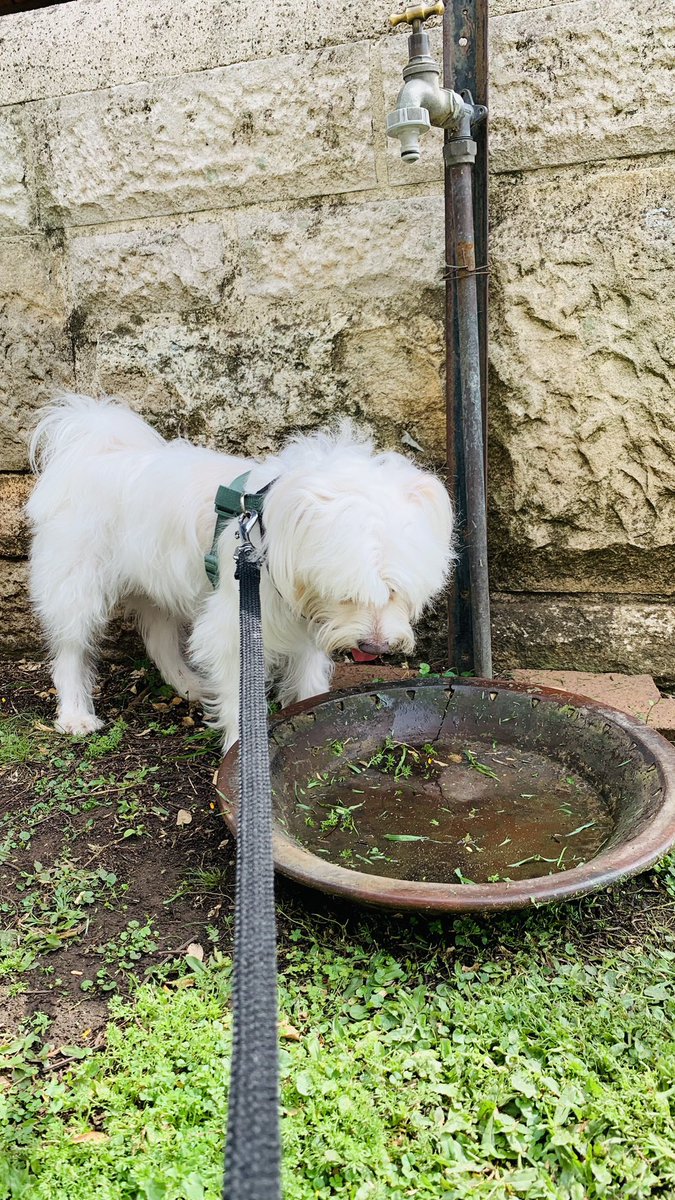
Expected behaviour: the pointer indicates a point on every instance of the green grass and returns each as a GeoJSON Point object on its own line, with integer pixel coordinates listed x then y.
{"type": "Point", "coordinates": [16, 744]}
{"type": "Point", "coordinates": [531, 1055]}
{"type": "Point", "coordinates": [410, 1078]}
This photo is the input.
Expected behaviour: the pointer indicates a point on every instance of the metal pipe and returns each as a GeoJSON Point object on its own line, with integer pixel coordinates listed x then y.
{"type": "Point", "coordinates": [471, 414]}
{"type": "Point", "coordinates": [465, 69]}
{"type": "Point", "coordinates": [460, 640]}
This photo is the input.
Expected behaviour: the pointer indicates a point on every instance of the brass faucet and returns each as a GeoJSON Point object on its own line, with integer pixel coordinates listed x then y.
{"type": "Point", "coordinates": [421, 102]}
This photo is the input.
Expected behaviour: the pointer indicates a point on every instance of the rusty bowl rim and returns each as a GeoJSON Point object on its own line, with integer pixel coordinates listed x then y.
{"type": "Point", "coordinates": [630, 858]}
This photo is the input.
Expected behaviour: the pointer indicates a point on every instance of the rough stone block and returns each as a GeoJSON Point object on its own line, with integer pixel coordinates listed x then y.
{"type": "Point", "coordinates": [582, 81]}
{"type": "Point", "coordinates": [15, 201]}
{"type": "Point", "coordinates": [582, 475]}
{"type": "Point", "coordinates": [583, 634]}
{"type": "Point", "coordinates": [501, 8]}
{"type": "Point", "coordinates": [339, 255]}
{"type": "Point", "coordinates": [20, 631]}
{"type": "Point", "coordinates": [121, 273]}
{"type": "Point", "coordinates": [36, 357]}
{"type": "Point", "coordinates": [56, 51]}
{"type": "Point", "coordinates": [249, 389]}
{"type": "Point", "coordinates": [14, 492]}
{"type": "Point", "coordinates": [59, 50]}
{"type": "Point", "coordinates": [286, 127]}
{"type": "Point", "coordinates": [241, 333]}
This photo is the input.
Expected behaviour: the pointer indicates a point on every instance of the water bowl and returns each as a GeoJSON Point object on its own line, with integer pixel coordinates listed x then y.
{"type": "Point", "coordinates": [462, 795]}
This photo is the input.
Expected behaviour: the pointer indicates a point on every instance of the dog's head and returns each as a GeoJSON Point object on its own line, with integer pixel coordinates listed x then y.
{"type": "Point", "coordinates": [357, 543]}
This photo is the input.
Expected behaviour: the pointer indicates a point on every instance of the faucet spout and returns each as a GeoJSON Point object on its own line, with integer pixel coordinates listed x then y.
{"type": "Point", "coordinates": [422, 102]}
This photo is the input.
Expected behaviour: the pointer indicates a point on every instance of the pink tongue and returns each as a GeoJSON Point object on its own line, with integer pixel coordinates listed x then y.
{"type": "Point", "coordinates": [361, 656]}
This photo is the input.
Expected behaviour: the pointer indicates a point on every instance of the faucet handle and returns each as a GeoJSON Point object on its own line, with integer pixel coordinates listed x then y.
{"type": "Point", "coordinates": [420, 12]}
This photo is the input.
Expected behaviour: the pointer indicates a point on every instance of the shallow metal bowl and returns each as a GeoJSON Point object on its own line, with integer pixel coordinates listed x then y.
{"type": "Point", "coordinates": [574, 756]}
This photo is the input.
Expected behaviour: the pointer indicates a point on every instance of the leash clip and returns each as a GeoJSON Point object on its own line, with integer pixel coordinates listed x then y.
{"type": "Point", "coordinates": [247, 520]}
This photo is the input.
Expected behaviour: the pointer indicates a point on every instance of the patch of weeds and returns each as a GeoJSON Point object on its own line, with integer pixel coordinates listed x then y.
{"type": "Point", "coordinates": [102, 983]}
{"type": "Point", "coordinates": [665, 873]}
{"type": "Point", "coordinates": [201, 881]}
{"type": "Point", "coordinates": [162, 730]}
{"type": "Point", "coordinates": [206, 742]}
{"type": "Point", "coordinates": [105, 743]}
{"type": "Point", "coordinates": [132, 944]}
{"type": "Point", "coordinates": [53, 910]}
{"type": "Point", "coordinates": [16, 745]}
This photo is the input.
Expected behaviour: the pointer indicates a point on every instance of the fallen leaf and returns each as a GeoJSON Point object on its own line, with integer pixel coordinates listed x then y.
{"type": "Point", "coordinates": [160, 706]}
{"type": "Point", "coordinates": [184, 817]}
{"type": "Point", "coordinates": [189, 721]}
{"type": "Point", "coordinates": [289, 1032]}
{"type": "Point", "coordinates": [194, 950]}
{"type": "Point", "coordinates": [43, 728]}
{"type": "Point", "coordinates": [177, 700]}
{"type": "Point", "coordinates": [456, 758]}
{"type": "Point", "coordinates": [90, 1136]}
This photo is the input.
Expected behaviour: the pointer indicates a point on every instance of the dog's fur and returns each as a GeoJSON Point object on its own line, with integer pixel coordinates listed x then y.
{"type": "Point", "coordinates": [356, 544]}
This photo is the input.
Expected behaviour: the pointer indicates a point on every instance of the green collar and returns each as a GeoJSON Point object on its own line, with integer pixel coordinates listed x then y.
{"type": "Point", "coordinates": [231, 502]}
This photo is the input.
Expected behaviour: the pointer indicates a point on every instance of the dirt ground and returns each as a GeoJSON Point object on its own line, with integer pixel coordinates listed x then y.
{"type": "Point", "coordinates": [180, 875]}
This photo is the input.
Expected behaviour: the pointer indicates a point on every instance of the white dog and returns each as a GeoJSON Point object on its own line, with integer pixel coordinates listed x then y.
{"type": "Point", "coordinates": [356, 544]}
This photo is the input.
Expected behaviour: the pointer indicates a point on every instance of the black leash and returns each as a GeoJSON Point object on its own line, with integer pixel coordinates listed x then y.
{"type": "Point", "coordinates": [253, 1154]}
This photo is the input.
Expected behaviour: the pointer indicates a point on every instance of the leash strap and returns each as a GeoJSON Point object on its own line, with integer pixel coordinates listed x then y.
{"type": "Point", "coordinates": [231, 502]}
{"type": "Point", "coordinates": [253, 1153]}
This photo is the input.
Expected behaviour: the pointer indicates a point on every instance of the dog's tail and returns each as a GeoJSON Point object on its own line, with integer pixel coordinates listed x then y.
{"type": "Point", "coordinates": [78, 423]}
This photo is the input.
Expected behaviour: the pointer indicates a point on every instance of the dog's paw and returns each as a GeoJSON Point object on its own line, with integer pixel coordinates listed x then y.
{"type": "Point", "coordinates": [78, 723]}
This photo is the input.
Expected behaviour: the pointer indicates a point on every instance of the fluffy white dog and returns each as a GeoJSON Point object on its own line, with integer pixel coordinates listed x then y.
{"type": "Point", "coordinates": [356, 544]}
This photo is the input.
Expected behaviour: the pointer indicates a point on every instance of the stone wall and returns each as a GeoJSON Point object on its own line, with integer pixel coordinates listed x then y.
{"type": "Point", "coordinates": [207, 219]}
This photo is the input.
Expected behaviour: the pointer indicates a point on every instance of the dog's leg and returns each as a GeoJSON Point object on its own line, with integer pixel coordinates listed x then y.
{"type": "Point", "coordinates": [161, 634]}
{"type": "Point", "coordinates": [307, 673]}
{"type": "Point", "coordinates": [73, 675]}
{"type": "Point", "coordinates": [69, 595]}
{"type": "Point", "coordinates": [214, 650]}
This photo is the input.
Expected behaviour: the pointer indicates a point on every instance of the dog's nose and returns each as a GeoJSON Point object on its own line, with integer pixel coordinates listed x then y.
{"type": "Point", "coordinates": [374, 648]}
